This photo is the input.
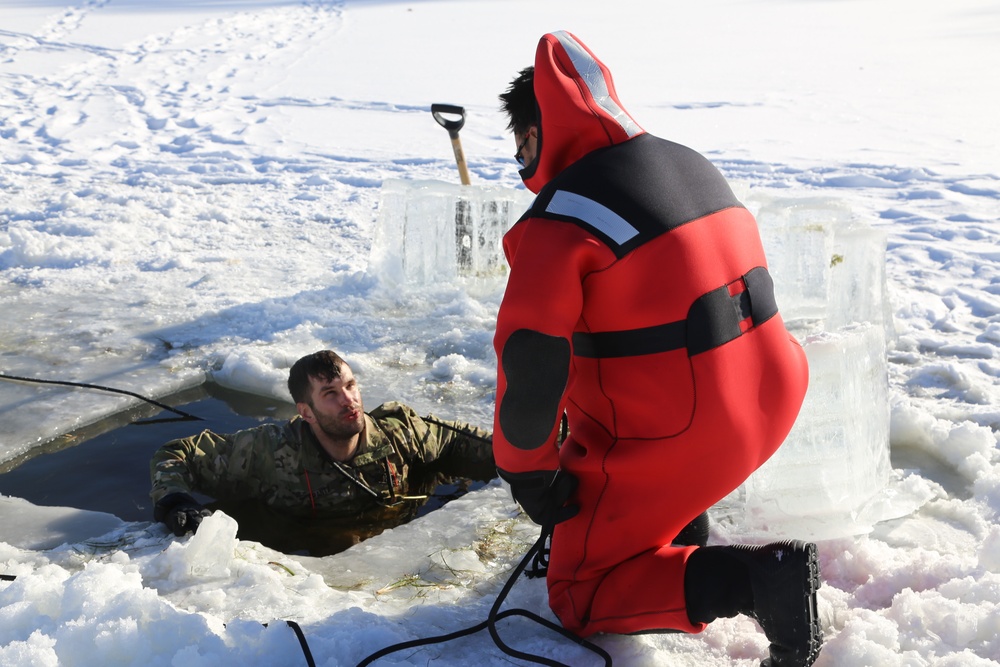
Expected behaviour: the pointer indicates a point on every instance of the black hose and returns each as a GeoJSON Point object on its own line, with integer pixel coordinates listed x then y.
{"type": "Point", "coordinates": [185, 415]}
{"type": "Point", "coordinates": [302, 642]}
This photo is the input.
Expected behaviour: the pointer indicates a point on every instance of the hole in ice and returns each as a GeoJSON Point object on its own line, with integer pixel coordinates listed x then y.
{"type": "Point", "coordinates": [104, 467]}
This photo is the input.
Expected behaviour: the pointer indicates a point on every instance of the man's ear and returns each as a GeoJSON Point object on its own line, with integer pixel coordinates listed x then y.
{"type": "Point", "coordinates": [305, 411]}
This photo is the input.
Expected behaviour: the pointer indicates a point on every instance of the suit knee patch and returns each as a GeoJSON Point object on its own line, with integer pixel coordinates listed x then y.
{"type": "Point", "coordinates": [537, 367]}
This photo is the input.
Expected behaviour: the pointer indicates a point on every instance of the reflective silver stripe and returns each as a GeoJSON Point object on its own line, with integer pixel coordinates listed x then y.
{"type": "Point", "coordinates": [591, 74]}
{"type": "Point", "coordinates": [596, 215]}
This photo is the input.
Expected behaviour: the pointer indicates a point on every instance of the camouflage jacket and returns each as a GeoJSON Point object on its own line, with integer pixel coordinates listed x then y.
{"type": "Point", "coordinates": [283, 466]}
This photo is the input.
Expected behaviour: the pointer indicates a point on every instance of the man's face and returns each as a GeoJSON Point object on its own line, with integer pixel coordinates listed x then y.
{"type": "Point", "coordinates": [526, 145]}
{"type": "Point", "coordinates": [335, 405]}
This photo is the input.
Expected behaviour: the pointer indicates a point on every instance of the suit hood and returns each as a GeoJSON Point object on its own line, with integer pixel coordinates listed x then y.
{"type": "Point", "coordinates": [578, 107]}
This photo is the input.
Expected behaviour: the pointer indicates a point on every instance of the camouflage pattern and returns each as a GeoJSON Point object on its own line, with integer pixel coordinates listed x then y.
{"type": "Point", "coordinates": [283, 466]}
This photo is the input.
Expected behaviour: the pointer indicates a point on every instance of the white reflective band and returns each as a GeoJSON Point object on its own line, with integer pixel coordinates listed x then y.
{"type": "Point", "coordinates": [592, 75]}
{"type": "Point", "coordinates": [588, 211]}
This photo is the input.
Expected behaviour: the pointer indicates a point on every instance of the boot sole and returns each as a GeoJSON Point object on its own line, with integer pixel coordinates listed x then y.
{"type": "Point", "coordinates": [808, 569]}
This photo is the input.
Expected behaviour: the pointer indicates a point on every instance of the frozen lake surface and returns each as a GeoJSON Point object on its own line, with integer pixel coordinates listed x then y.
{"type": "Point", "coordinates": [193, 191]}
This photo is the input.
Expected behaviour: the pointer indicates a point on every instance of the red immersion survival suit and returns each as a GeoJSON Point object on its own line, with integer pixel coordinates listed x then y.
{"type": "Point", "coordinates": [639, 304]}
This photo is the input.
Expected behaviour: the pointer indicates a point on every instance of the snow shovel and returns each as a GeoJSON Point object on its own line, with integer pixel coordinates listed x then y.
{"type": "Point", "coordinates": [431, 231]}
{"type": "Point", "coordinates": [443, 114]}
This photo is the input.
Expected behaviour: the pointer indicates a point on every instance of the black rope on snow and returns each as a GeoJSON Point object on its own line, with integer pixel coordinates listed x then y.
{"type": "Point", "coordinates": [540, 563]}
{"type": "Point", "coordinates": [538, 552]}
{"type": "Point", "coordinates": [302, 642]}
{"type": "Point", "coordinates": [185, 416]}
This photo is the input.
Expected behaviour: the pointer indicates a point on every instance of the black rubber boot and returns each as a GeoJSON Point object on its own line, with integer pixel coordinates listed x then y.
{"type": "Point", "coordinates": [695, 533]}
{"type": "Point", "coordinates": [776, 584]}
{"type": "Point", "coordinates": [785, 578]}
{"type": "Point", "coordinates": [716, 585]}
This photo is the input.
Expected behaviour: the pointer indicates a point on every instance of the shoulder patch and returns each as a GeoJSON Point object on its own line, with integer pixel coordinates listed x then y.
{"type": "Point", "coordinates": [592, 214]}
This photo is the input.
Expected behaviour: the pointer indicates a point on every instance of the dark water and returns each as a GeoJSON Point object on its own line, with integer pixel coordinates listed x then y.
{"type": "Point", "coordinates": [105, 467]}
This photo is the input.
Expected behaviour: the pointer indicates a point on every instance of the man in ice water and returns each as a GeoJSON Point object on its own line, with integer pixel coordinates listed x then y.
{"type": "Point", "coordinates": [332, 461]}
{"type": "Point", "coordinates": [639, 303]}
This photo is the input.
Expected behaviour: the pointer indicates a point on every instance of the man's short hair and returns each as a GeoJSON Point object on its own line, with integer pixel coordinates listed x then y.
{"type": "Point", "coordinates": [519, 102]}
{"type": "Point", "coordinates": [324, 365]}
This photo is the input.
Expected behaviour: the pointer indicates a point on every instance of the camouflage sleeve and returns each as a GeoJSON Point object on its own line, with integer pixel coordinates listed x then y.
{"type": "Point", "coordinates": [455, 447]}
{"type": "Point", "coordinates": [221, 466]}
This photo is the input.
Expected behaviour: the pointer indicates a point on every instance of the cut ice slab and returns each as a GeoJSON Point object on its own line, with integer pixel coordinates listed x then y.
{"type": "Point", "coordinates": [798, 240]}
{"type": "Point", "coordinates": [34, 414]}
{"type": "Point", "coordinates": [29, 526]}
{"type": "Point", "coordinates": [828, 265]}
{"type": "Point", "coordinates": [432, 231]}
{"type": "Point", "coordinates": [825, 480]}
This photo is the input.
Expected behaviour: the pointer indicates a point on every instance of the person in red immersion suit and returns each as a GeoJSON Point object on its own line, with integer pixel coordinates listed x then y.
{"type": "Point", "coordinates": [639, 305]}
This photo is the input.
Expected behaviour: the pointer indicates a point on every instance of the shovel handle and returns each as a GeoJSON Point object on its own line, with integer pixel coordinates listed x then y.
{"type": "Point", "coordinates": [451, 124]}
{"type": "Point", "coordinates": [463, 169]}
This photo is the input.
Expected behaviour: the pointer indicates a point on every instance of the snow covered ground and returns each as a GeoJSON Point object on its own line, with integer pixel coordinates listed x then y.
{"type": "Point", "coordinates": [191, 188]}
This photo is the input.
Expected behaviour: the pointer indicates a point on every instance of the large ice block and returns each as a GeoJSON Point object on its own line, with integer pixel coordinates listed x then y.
{"type": "Point", "coordinates": [829, 271]}
{"type": "Point", "coordinates": [836, 458]}
{"type": "Point", "coordinates": [432, 231]}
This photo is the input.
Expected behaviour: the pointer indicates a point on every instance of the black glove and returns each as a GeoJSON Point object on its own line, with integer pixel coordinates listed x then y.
{"type": "Point", "coordinates": [181, 513]}
{"type": "Point", "coordinates": [543, 494]}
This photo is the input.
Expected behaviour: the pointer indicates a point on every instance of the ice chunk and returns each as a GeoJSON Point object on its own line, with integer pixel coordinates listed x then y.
{"type": "Point", "coordinates": [432, 231]}
{"type": "Point", "coordinates": [210, 550]}
{"type": "Point", "coordinates": [207, 555]}
{"type": "Point", "coordinates": [831, 476]}
{"type": "Point", "coordinates": [798, 238]}
{"type": "Point", "coordinates": [835, 461]}
{"type": "Point", "coordinates": [828, 267]}
{"type": "Point", "coordinates": [858, 291]}
{"type": "Point", "coordinates": [29, 526]}
{"type": "Point", "coordinates": [35, 414]}
{"type": "Point", "coordinates": [456, 547]}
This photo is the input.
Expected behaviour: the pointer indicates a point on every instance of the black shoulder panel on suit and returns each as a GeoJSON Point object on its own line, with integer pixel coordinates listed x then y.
{"type": "Point", "coordinates": [632, 192]}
